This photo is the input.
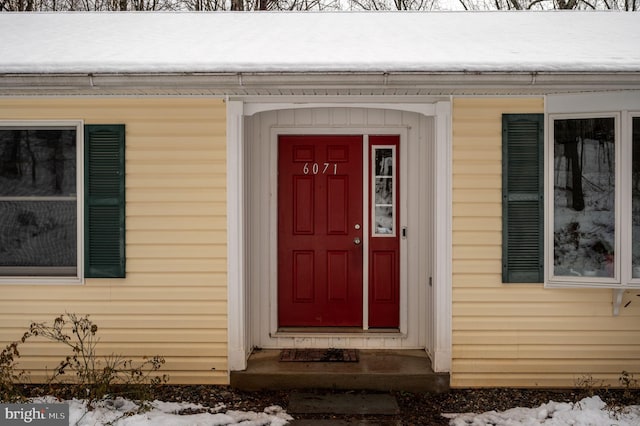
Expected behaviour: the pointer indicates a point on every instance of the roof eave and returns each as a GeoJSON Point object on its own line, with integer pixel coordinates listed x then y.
{"type": "Point", "coordinates": [240, 83]}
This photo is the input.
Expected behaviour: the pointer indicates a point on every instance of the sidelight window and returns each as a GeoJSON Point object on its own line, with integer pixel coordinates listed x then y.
{"type": "Point", "coordinates": [383, 169]}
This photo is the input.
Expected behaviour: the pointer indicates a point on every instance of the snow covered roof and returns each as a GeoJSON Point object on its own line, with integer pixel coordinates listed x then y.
{"type": "Point", "coordinates": [61, 43]}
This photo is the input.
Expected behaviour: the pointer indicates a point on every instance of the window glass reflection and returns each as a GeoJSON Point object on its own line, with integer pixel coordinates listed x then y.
{"type": "Point", "coordinates": [38, 201]}
{"type": "Point", "coordinates": [384, 208]}
{"type": "Point", "coordinates": [584, 197]}
{"type": "Point", "coordinates": [37, 162]}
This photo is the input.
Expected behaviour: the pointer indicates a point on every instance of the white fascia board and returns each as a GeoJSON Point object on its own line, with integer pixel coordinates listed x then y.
{"type": "Point", "coordinates": [244, 83]}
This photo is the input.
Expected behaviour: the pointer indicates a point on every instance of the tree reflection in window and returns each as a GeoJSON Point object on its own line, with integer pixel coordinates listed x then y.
{"type": "Point", "coordinates": [584, 197]}
{"type": "Point", "coordinates": [38, 201]}
{"type": "Point", "coordinates": [384, 161]}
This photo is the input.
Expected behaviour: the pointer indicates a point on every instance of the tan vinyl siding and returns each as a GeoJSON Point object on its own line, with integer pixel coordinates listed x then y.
{"type": "Point", "coordinates": [520, 334]}
{"type": "Point", "coordinates": [173, 302]}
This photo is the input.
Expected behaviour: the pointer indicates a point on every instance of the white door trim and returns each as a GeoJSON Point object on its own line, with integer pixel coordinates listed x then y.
{"type": "Point", "coordinates": [239, 346]}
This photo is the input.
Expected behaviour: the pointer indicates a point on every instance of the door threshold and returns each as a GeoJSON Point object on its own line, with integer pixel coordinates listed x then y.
{"type": "Point", "coordinates": [317, 331]}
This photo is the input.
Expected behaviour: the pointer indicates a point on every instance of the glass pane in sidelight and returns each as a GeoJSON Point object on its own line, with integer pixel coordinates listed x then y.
{"type": "Point", "coordinates": [384, 191]}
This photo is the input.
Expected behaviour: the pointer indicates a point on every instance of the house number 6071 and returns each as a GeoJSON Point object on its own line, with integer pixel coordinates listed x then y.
{"type": "Point", "coordinates": [315, 168]}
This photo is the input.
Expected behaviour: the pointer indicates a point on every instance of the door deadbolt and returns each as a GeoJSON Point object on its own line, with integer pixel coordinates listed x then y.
{"type": "Point", "coordinates": [357, 226]}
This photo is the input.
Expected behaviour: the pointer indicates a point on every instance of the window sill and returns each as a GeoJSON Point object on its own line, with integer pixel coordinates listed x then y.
{"type": "Point", "coordinates": [635, 284]}
{"type": "Point", "coordinates": [41, 281]}
{"type": "Point", "coordinates": [618, 290]}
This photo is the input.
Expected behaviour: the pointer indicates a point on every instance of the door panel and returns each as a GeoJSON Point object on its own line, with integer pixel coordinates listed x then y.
{"type": "Point", "coordinates": [337, 205]}
{"type": "Point", "coordinates": [303, 205]}
{"type": "Point", "coordinates": [319, 205]}
{"type": "Point", "coordinates": [303, 276]}
{"type": "Point", "coordinates": [383, 273]}
{"type": "Point", "coordinates": [338, 275]}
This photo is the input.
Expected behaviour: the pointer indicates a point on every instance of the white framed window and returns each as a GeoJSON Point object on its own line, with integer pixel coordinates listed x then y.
{"type": "Point", "coordinates": [40, 200]}
{"type": "Point", "coordinates": [592, 225]}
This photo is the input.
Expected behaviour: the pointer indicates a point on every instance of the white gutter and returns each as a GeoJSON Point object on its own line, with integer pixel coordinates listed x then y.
{"type": "Point", "coordinates": [240, 83]}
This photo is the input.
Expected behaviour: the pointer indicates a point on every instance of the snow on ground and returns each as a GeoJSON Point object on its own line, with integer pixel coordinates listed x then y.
{"type": "Point", "coordinates": [587, 412]}
{"type": "Point", "coordinates": [122, 412]}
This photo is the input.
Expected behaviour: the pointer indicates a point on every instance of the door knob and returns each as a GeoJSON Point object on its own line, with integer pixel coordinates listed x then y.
{"type": "Point", "coordinates": [356, 241]}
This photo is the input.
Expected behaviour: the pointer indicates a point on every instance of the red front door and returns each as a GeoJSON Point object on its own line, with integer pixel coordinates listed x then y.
{"type": "Point", "coordinates": [320, 230]}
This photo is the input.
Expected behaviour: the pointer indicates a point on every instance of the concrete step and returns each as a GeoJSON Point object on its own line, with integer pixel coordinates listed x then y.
{"type": "Point", "coordinates": [376, 370]}
{"type": "Point", "coordinates": [342, 403]}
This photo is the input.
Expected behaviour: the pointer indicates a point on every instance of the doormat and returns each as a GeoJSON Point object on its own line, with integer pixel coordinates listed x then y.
{"type": "Point", "coordinates": [319, 355]}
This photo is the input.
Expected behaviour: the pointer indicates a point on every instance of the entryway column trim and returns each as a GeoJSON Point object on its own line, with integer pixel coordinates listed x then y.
{"type": "Point", "coordinates": [442, 269]}
{"type": "Point", "coordinates": [237, 303]}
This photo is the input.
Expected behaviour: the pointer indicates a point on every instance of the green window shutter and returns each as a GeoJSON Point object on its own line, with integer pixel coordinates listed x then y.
{"type": "Point", "coordinates": [104, 201]}
{"type": "Point", "coordinates": [523, 198]}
